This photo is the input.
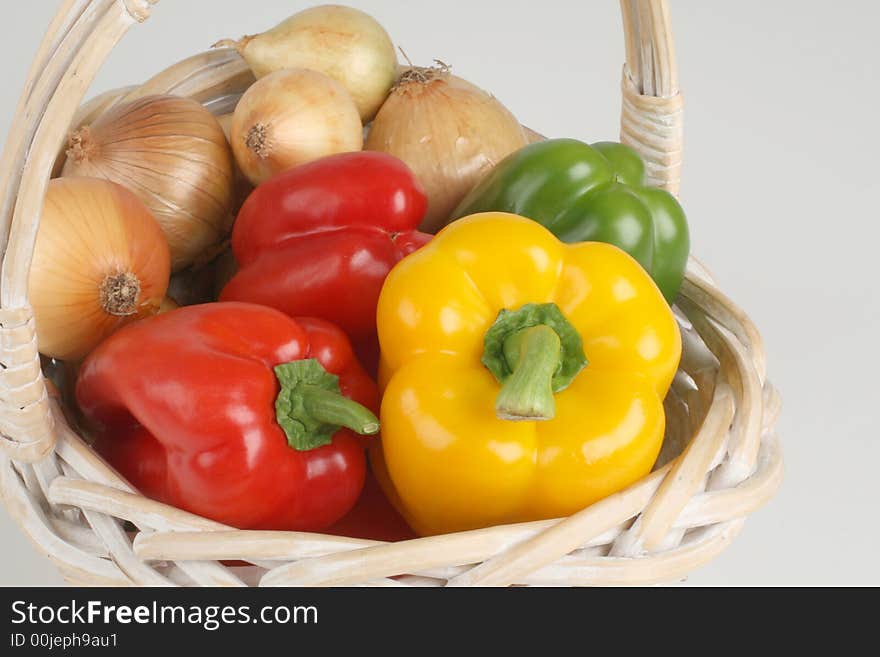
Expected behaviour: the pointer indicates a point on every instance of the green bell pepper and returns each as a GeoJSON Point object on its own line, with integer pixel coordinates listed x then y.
{"type": "Point", "coordinates": [590, 193]}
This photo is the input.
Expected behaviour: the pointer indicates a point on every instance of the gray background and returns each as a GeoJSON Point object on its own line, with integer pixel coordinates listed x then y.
{"type": "Point", "coordinates": [780, 186]}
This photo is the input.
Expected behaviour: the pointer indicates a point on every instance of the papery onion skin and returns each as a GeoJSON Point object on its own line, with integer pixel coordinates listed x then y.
{"type": "Point", "coordinates": [344, 43]}
{"type": "Point", "coordinates": [241, 186]}
{"type": "Point", "coordinates": [450, 132]}
{"type": "Point", "coordinates": [168, 304]}
{"type": "Point", "coordinates": [291, 117]}
{"type": "Point", "coordinates": [100, 262]}
{"type": "Point", "coordinates": [172, 153]}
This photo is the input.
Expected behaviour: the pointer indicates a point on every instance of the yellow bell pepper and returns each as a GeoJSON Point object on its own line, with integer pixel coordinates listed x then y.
{"type": "Point", "coordinates": [524, 378]}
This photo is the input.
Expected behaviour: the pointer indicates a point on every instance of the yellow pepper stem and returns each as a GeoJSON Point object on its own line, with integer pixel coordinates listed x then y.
{"type": "Point", "coordinates": [533, 352]}
{"type": "Point", "coordinates": [533, 356]}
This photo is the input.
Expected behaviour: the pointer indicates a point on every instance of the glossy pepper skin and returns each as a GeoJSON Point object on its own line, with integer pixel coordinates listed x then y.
{"type": "Point", "coordinates": [318, 239]}
{"type": "Point", "coordinates": [591, 193]}
{"type": "Point", "coordinates": [188, 406]}
{"type": "Point", "coordinates": [455, 453]}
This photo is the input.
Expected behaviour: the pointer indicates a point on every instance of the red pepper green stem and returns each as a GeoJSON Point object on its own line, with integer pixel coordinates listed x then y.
{"type": "Point", "coordinates": [533, 352]}
{"type": "Point", "coordinates": [332, 408]}
{"type": "Point", "coordinates": [310, 407]}
{"type": "Point", "coordinates": [533, 356]}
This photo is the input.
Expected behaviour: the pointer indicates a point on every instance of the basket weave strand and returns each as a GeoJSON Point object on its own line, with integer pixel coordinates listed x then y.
{"type": "Point", "coordinates": [651, 111]}
{"type": "Point", "coordinates": [720, 461]}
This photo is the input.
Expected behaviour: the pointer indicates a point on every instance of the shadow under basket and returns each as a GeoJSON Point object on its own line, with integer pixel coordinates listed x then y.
{"type": "Point", "coordinates": [720, 460]}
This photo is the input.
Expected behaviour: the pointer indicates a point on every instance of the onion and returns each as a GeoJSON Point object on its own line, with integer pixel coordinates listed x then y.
{"type": "Point", "coordinates": [168, 304]}
{"type": "Point", "coordinates": [291, 117]}
{"type": "Point", "coordinates": [532, 136]}
{"type": "Point", "coordinates": [450, 133]}
{"type": "Point", "coordinates": [343, 43]}
{"type": "Point", "coordinates": [172, 153]}
{"type": "Point", "coordinates": [100, 261]}
{"type": "Point", "coordinates": [241, 186]}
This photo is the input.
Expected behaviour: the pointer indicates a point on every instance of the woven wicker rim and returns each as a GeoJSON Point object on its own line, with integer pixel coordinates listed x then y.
{"type": "Point", "coordinates": [721, 456]}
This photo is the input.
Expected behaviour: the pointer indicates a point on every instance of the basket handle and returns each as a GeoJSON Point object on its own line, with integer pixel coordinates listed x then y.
{"type": "Point", "coordinates": [651, 112]}
{"type": "Point", "coordinates": [74, 47]}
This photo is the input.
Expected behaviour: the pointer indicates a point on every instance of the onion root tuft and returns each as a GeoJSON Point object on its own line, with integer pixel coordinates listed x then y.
{"type": "Point", "coordinates": [257, 140]}
{"type": "Point", "coordinates": [119, 294]}
{"type": "Point", "coordinates": [81, 145]}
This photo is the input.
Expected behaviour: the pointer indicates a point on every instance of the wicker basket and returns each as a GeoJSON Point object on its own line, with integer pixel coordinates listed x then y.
{"type": "Point", "coordinates": [721, 457]}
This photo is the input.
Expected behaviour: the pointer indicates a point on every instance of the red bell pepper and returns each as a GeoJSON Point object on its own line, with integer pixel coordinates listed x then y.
{"type": "Point", "coordinates": [373, 517]}
{"type": "Point", "coordinates": [233, 411]}
{"type": "Point", "coordinates": [320, 238]}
